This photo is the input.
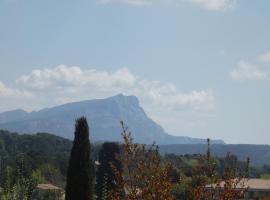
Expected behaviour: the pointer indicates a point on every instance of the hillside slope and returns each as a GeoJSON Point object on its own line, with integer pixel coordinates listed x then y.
{"type": "Point", "coordinates": [259, 154]}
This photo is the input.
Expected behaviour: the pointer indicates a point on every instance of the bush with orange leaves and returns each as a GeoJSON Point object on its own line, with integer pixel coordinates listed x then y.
{"type": "Point", "coordinates": [144, 177]}
{"type": "Point", "coordinates": [208, 185]}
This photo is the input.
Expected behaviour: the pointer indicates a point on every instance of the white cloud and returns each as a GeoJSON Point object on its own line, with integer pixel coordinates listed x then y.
{"type": "Point", "coordinates": [166, 95]}
{"type": "Point", "coordinates": [8, 92]}
{"type": "Point", "coordinates": [73, 77]}
{"type": "Point", "coordinates": [62, 84]}
{"type": "Point", "coordinates": [216, 5]}
{"type": "Point", "coordinates": [248, 71]}
{"type": "Point", "coordinates": [265, 57]}
{"type": "Point", "coordinates": [11, 98]}
{"type": "Point", "coordinates": [132, 2]}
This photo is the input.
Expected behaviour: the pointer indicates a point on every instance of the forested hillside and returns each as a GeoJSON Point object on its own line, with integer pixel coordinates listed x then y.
{"type": "Point", "coordinates": [259, 154]}
{"type": "Point", "coordinates": [43, 154]}
{"type": "Point", "coordinates": [12, 143]}
{"type": "Point", "coordinates": [43, 158]}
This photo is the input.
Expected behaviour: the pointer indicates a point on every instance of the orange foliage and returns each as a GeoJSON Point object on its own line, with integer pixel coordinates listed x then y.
{"type": "Point", "coordinates": [208, 185]}
{"type": "Point", "coordinates": [143, 176]}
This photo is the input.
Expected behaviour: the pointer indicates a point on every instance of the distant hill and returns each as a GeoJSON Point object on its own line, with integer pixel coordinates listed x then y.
{"type": "Point", "coordinates": [103, 115]}
{"type": "Point", "coordinates": [12, 144]}
{"type": "Point", "coordinates": [259, 154]}
{"type": "Point", "coordinates": [52, 148]}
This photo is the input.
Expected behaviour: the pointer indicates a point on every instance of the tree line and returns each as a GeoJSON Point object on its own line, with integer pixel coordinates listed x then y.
{"type": "Point", "coordinates": [137, 172]}
{"type": "Point", "coordinates": [113, 171]}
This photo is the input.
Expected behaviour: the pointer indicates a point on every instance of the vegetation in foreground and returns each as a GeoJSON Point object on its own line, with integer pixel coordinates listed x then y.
{"type": "Point", "coordinates": [80, 174]}
{"type": "Point", "coordinates": [123, 171]}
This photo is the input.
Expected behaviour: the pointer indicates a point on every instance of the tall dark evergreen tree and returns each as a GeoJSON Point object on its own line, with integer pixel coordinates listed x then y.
{"type": "Point", "coordinates": [80, 176]}
{"type": "Point", "coordinates": [106, 180]}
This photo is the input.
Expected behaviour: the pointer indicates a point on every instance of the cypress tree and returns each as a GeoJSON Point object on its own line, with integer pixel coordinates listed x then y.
{"type": "Point", "coordinates": [80, 176]}
{"type": "Point", "coordinates": [106, 180]}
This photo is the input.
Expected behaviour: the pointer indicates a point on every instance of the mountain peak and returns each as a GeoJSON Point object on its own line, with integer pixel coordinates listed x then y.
{"type": "Point", "coordinates": [15, 111]}
{"type": "Point", "coordinates": [12, 115]}
{"type": "Point", "coordinates": [130, 99]}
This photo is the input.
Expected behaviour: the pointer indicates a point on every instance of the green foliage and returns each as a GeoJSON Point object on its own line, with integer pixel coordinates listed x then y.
{"type": "Point", "coordinates": [45, 156]}
{"type": "Point", "coordinates": [11, 143]}
{"type": "Point", "coordinates": [27, 160]}
{"type": "Point", "coordinates": [15, 186]}
{"type": "Point", "coordinates": [259, 154]}
{"type": "Point", "coordinates": [265, 176]}
{"type": "Point", "coordinates": [36, 151]}
{"type": "Point", "coordinates": [180, 190]}
{"type": "Point", "coordinates": [106, 179]}
{"type": "Point", "coordinates": [104, 190]}
{"type": "Point", "coordinates": [50, 173]}
{"type": "Point", "coordinates": [80, 176]}
{"type": "Point", "coordinates": [38, 177]}
{"type": "Point", "coordinates": [49, 195]}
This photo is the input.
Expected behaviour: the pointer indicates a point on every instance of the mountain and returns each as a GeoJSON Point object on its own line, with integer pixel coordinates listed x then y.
{"type": "Point", "coordinates": [103, 115]}
{"type": "Point", "coordinates": [12, 115]}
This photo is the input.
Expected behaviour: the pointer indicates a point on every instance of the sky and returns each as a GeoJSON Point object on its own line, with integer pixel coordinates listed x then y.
{"type": "Point", "coordinates": [200, 68]}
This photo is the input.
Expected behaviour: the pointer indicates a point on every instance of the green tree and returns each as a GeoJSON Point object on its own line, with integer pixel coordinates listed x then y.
{"type": "Point", "coordinates": [106, 180]}
{"type": "Point", "coordinates": [80, 176]}
{"type": "Point", "coordinates": [16, 186]}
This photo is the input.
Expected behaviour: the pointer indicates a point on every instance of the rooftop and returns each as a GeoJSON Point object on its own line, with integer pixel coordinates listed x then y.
{"type": "Point", "coordinates": [48, 187]}
{"type": "Point", "coordinates": [251, 184]}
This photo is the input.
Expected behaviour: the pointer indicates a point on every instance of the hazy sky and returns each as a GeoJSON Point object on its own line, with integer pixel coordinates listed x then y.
{"type": "Point", "coordinates": [200, 68]}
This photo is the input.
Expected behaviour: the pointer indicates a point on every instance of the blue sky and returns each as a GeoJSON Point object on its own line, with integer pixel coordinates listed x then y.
{"type": "Point", "coordinates": [199, 67]}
